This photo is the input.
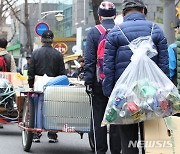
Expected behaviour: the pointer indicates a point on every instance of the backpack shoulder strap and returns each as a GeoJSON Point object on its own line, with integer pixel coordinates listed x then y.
{"type": "Point", "coordinates": [7, 58]}
{"type": "Point", "coordinates": [123, 34]}
{"type": "Point", "coordinates": [101, 29]}
{"type": "Point", "coordinates": [152, 29]}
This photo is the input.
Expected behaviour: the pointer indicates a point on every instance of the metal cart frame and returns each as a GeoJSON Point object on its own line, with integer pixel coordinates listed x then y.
{"type": "Point", "coordinates": [32, 120]}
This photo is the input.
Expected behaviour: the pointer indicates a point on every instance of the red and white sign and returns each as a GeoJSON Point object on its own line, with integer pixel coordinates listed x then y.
{"type": "Point", "coordinates": [61, 47]}
{"type": "Point", "coordinates": [41, 27]}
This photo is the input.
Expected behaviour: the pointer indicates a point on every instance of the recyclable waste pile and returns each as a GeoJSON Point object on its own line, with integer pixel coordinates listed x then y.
{"type": "Point", "coordinates": [146, 101]}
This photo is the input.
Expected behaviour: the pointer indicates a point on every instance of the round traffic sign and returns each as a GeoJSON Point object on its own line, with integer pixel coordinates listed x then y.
{"type": "Point", "coordinates": [41, 27]}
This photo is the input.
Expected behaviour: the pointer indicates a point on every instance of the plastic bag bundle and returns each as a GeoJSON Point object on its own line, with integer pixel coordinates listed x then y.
{"type": "Point", "coordinates": [143, 91]}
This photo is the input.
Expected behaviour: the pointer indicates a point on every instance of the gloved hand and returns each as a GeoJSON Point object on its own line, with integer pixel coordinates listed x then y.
{"type": "Point", "coordinates": [89, 90]}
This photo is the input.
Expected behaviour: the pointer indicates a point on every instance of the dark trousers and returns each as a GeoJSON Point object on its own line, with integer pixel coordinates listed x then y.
{"type": "Point", "coordinates": [99, 102]}
{"type": "Point", "coordinates": [141, 127]}
{"type": "Point", "coordinates": [130, 138]}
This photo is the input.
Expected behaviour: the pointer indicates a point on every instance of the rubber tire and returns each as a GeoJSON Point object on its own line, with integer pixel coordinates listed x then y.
{"type": "Point", "coordinates": [91, 141]}
{"type": "Point", "coordinates": [27, 136]}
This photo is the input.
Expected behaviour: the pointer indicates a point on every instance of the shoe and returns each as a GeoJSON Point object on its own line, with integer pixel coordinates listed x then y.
{"type": "Point", "coordinates": [53, 140]}
{"type": "Point", "coordinates": [52, 137]}
{"type": "Point", "coordinates": [36, 138]}
{"type": "Point", "coordinates": [1, 126]}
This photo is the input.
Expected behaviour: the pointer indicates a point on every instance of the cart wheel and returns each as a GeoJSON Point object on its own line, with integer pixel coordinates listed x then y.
{"type": "Point", "coordinates": [91, 141]}
{"type": "Point", "coordinates": [28, 122]}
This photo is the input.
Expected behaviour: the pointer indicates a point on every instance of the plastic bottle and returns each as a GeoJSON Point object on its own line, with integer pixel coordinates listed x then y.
{"type": "Point", "coordinates": [116, 107]}
{"type": "Point", "coordinates": [136, 111]}
{"type": "Point", "coordinates": [172, 98]}
{"type": "Point", "coordinates": [111, 115]}
{"type": "Point", "coordinates": [164, 105]}
{"type": "Point", "coordinates": [118, 102]}
{"type": "Point", "coordinates": [176, 106]}
{"type": "Point", "coordinates": [148, 91]}
{"type": "Point", "coordinates": [132, 107]}
{"type": "Point", "coordinates": [147, 105]}
{"type": "Point", "coordinates": [156, 108]}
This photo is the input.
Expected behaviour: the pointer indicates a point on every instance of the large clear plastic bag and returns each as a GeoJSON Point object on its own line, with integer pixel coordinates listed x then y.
{"type": "Point", "coordinates": [143, 91]}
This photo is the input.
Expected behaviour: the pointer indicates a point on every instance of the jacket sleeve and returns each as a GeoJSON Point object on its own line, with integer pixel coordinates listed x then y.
{"type": "Point", "coordinates": [162, 49]}
{"type": "Point", "coordinates": [109, 65]}
{"type": "Point", "coordinates": [31, 72]}
{"type": "Point", "coordinates": [62, 70]}
{"type": "Point", "coordinates": [172, 59]}
{"type": "Point", "coordinates": [90, 58]}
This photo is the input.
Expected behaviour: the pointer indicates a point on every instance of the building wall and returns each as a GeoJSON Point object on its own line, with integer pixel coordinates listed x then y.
{"type": "Point", "coordinates": [78, 13]}
{"type": "Point", "coordinates": [5, 31]}
{"type": "Point", "coordinates": [33, 18]}
{"type": "Point", "coordinates": [155, 10]}
{"type": "Point", "coordinates": [65, 26]}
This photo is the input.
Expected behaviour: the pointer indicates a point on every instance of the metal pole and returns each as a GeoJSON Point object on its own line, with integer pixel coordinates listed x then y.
{"type": "Point", "coordinates": [40, 5]}
{"type": "Point", "coordinates": [84, 13]}
{"type": "Point", "coordinates": [169, 20]}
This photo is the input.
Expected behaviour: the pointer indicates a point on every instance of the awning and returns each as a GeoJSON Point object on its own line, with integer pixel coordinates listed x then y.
{"type": "Point", "coordinates": [13, 47]}
{"type": "Point", "coordinates": [70, 57]}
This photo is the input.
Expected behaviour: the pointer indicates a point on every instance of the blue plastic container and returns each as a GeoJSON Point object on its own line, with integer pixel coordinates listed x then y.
{"type": "Point", "coordinates": [37, 100]}
{"type": "Point", "coordinates": [59, 80]}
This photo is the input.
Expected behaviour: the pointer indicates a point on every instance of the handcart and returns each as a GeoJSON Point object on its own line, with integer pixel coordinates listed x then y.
{"type": "Point", "coordinates": [57, 109]}
{"type": "Point", "coordinates": [9, 109]}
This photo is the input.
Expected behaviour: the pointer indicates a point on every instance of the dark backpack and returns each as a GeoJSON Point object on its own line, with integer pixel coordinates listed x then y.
{"type": "Point", "coordinates": [5, 63]}
{"type": "Point", "coordinates": [100, 52]}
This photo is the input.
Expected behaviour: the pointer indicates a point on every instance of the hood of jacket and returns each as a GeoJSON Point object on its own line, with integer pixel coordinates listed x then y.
{"type": "Point", "coordinates": [3, 51]}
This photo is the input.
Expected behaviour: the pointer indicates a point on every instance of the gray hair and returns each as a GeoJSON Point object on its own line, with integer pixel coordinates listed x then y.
{"type": "Point", "coordinates": [105, 18]}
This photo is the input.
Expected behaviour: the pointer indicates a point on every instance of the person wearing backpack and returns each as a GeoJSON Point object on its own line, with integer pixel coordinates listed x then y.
{"type": "Point", "coordinates": [117, 57]}
{"type": "Point", "coordinates": [7, 63]}
{"type": "Point", "coordinates": [93, 76]}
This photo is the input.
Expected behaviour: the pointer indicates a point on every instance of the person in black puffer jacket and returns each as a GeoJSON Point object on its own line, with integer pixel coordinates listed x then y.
{"type": "Point", "coordinates": [49, 61]}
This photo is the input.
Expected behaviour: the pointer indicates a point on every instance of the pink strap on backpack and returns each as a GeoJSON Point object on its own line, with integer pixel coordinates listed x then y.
{"type": "Point", "coordinates": [101, 29]}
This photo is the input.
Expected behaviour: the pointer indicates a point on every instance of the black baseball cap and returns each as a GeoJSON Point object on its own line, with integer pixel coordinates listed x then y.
{"type": "Point", "coordinates": [47, 36]}
{"type": "Point", "coordinates": [128, 4]}
{"type": "Point", "coordinates": [28, 55]}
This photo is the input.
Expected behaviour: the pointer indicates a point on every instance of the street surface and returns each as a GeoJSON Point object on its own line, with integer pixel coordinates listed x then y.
{"type": "Point", "coordinates": [69, 143]}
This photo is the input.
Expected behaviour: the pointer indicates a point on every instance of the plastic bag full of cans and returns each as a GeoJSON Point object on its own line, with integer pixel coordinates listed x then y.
{"type": "Point", "coordinates": [143, 91]}
{"type": "Point", "coordinates": [146, 101]}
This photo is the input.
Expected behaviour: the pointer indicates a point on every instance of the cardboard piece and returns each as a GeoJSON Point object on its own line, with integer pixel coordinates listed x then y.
{"type": "Point", "coordinates": [20, 103]}
{"type": "Point", "coordinates": [162, 135]}
{"type": "Point", "coordinates": [75, 81]}
{"type": "Point", "coordinates": [16, 79]}
{"type": "Point", "coordinates": [173, 124]}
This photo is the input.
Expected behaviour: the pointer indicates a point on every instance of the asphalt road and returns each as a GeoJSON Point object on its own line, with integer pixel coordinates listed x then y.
{"type": "Point", "coordinates": [69, 143]}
